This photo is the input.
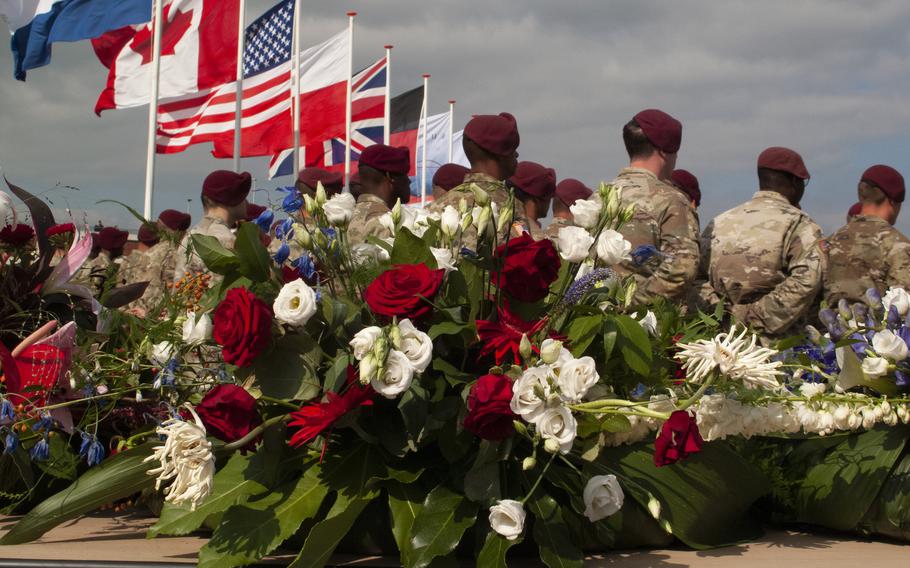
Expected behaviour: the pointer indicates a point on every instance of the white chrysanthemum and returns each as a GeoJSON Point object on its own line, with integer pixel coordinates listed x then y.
{"type": "Point", "coordinates": [734, 356]}
{"type": "Point", "coordinates": [186, 458]}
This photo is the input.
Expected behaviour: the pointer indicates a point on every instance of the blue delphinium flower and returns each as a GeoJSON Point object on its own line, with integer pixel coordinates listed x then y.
{"type": "Point", "coordinates": [293, 201]}
{"type": "Point", "coordinates": [468, 253]}
{"type": "Point", "coordinates": [165, 377]}
{"type": "Point", "coordinates": [91, 449]}
{"type": "Point", "coordinates": [7, 412]}
{"type": "Point", "coordinates": [41, 451]}
{"type": "Point", "coordinates": [285, 229]}
{"type": "Point", "coordinates": [305, 266]}
{"type": "Point", "coordinates": [10, 443]}
{"type": "Point", "coordinates": [585, 284]}
{"type": "Point", "coordinates": [894, 318]}
{"type": "Point", "coordinates": [638, 392]}
{"type": "Point", "coordinates": [265, 220]}
{"type": "Point", "coordinates": [44, 423]}
{"type": "Point", "coordinates": [902, 379]}
{"type": "Point", "coordinates": [834, 324]}
{"type": "Point", "coordinates": [284, 251]}
{"type": "Point", "coordinates": [643, 254]}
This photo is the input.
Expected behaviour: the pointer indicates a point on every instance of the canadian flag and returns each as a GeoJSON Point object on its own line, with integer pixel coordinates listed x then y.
{"type": "Point", "coordinates": [198, 51]}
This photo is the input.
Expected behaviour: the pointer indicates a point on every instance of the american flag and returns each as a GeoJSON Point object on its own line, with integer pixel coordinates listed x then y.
{"type": "Point", "coordinates": [267, 41]}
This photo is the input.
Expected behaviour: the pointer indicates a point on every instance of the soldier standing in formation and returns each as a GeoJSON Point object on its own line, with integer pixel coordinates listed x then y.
{"type": "Point", "coordinates": [384, 180]}
{"type": "Point", "coordinates": [447, 178]}
{"type": "Point", "coordinates": [568, 191]}
{"type": "Point", "coordinates": [868, 252]}
{"type": "Point", "coordinates": [534, 186]}
{"type": "Point", "coordinates": [157, 262]}
{"type": "Point", "coordinates": [309, 178]}
{"type": "Point", "coordinates": [688, 184]}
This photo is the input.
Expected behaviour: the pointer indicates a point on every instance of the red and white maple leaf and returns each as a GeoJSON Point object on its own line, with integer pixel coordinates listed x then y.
{"type": "Point", "coordinates": [174, 30]}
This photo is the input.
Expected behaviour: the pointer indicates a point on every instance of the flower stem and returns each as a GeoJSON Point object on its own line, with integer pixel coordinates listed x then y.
{"type": "Point", "coordinates": [698, 394]}
{"type": "Point", "coordinates": [539, 479]}
{"type": "Point", "coordinates": [237, 444]}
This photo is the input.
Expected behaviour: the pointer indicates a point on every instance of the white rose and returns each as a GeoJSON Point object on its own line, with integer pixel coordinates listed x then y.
{"type": "Point", "coordinates": [586, 212]}
{"type": "Point", "coordinates": [339, 209]}
{"type": "Point", "coordinates": [550, 350]}
{"type": "Point", "coordinates": [612, 247]}
{"type": "Point", "coordinates": [507, 517]}
{"type": "Point", "coordinates": [450, 221]}
{"type": "Point", "coordinates": [444, 259]}
{"type": "Point", "coordinates": [416, 345]}
{"type": "Point", "coordinates": [7, 210]}
{"type": "Point", "coordinates": [397, 375]}
{"type": "Point", "coordinates": [899, 298]}
{"type": "Point", "coordinates": [363, 341]}
{"type": "Point", "coordinates": [574, 244]}
{"type": "Point", "coordinates": [603, 497]}
{"type": "Point", "coordinates": [296, 303]}
{"type": "Point", "coordinates": [197, 328]}
{"type": "Point", "coordinates": [557, 424]}
{"type": "Point", "coordinates": [161, 353]}
{"type": "Point", "coordinates": [526, 391]}
{"type": "Point", "coordinates": [576, 377]}
{"type": "Point", "coordinates": [649, 323]}
{"type": "Point", "coordinates": [875, 367]}
{"type": "Point", "coordinates": [887, 344]}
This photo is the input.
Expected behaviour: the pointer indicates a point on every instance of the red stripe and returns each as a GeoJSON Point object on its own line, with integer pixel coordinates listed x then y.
{"type": "Point", "coordinates": [218, 43]}
{"type": "Point", "coordinates": [368, 74]}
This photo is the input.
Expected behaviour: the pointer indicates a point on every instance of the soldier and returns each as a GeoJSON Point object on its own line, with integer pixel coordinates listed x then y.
{"type": "Point", "coordinates": [868, 252]}
{"type": "Point", "coordinates": [105, 266]}
{"type": "Point", "coordinates": [688, 184]}
{"type": "Point", "coordinates": [568, 191]}
{"type": "Point", "coordinates": [854, 210]}
{"type": "Point", "coordinates": [491, 145]}
{"type": "Point", "coordinates": [384, 180]}
{"type": "Point", "coordinates": [223, 205]}
{"type": "Point", "coordinates": [354, 185]}
{"type": "Point", "coordinates": [534, 187]}
{"type": "Point", "coordinates": [309, 178]}
{"type": "Point", "coordinates": [447, 178]}
{"type": "Point", "coordinates": [663, 216]}
{"type": "Point", "coordinates": [764, 257]}
{"type": "Point", "coordinates": [157, 264]}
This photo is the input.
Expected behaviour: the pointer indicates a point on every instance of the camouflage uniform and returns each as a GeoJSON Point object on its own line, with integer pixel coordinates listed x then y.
{"type": "Point", "coordinates": [498, 195]}
{"type": "Point", "coordinates": [155, 266]}
{"type": "Point", "coordinates": [765, 258]}
{"type": "Point", "coordinates": [866, 253]}
{"type": "Point", "coordinates": [365, 220]}
{"type": "Point", "coordinates": [663, 218]}
{"type": "Point", "coordinates": [552, 230]}
{"type": "Point", "coordinates": [188, 262]}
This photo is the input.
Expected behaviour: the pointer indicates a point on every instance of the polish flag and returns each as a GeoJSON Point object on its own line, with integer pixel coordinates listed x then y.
{"type": "Point", "coordinates": [198, 51]}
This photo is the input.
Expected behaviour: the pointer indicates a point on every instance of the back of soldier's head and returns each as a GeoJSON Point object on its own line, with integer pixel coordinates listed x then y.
{"type": "Point", "coordinates": [635, 141]}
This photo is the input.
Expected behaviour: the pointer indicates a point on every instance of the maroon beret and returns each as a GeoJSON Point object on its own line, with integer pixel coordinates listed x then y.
{"type": "Point", "coordinates": [392, 159]}
{"type": "Point", "coordinates": [112, 238]}
{"type": "Point", "coordinates": [175, 220]}
{"type": "Point", "coordinates": [535, 179]}
{"type": "Point", "coordinates": [227, 187]}
{"type": "Point", "coordinates": [887, 179]}
{"type": "Point", "coordinates": [688, 183]}
{"type": "Point", "coordinates": [253, 211]}
{"type": "Point", "coordinates": [495, 133]}
{"type": "Point", "coordinates": [571, 190]}
{"type": "Point", "coordinates": [148, 235]}
{"type": "Point", "coordinates": [331, 181]}
{"type": "Point", "coordinates": [662, 130]}
{"type": "Point", "coordinates": [855, 209]}
{"type": "Point", "coordinates": [783, 160]}
{"type": "Point", "coordinates": [449, 176]}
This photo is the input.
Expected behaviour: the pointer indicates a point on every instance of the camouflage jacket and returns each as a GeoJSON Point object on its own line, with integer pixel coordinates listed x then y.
{"type": "Point", "coordinates": [365, 221]}
{"type": "Point", "coordinates": [155, 266]}
{"type": "Point", "coordinates": [188, 262]}
{"type": "Point", "coordinates": [765, 257]}
{"type": "Point", "coordinates": [552, 230]}
{"type": "Point", "coordinates": [499, 195]}
{"type": "Point", "coordinates": [866, 253]}
{"type": "Point", "coordinates": [664, 219]}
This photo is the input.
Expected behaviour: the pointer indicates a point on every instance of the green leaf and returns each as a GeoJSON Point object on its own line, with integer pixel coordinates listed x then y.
{"type": "Point", "coordinates": [890, 514]}
{"type": "Point", "coordinates": [634, 345]}
{"type": "Point", "coordinates": [410, 249]}
{"type": "Point", "coordinates": [493, 553]}
{"type": "Point", "coordinates": [249, 531]}
{"type": "Point", "coordinates": [254, 259]}
{"type": "Point", "coordinates": [414, 410]}
{"type": "Point", "coordinates": [288, 371]}
{"type": "Point", "coordinates": [481, 482]}
{"type": "Point", "coordinates": [439, 526]}
{"type": "Point", "coordinates": [405, 504]}
{"type": "Point", "coordinates": [63, 461]}
{"type": "Point", "coordinates": [610, 333]}
{"type": "Point", "coordinates": [582, 332]}
{"type": "Point", "coordinates": [216, 258]}
{"type": "Point", "coordinates": [615, 423]}
{"type": "Point", "coordinates": [139, 217]}
{"type": "Point", "coordinates": [325, 535]}
{"type": "Point", "coordinates": [557, 550]}
{"type": "Point", "coordinates": [115, 478]}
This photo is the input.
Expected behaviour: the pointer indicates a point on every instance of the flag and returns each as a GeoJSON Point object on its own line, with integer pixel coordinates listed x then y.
{"type": "Point", "coordinates": [367, 116]}
{"type": "Point", "coordinates": [198, 52]}
{"type": "Point", "coordinates": [405, 110]}
{"type": "Point", "coordinates": [437, 151]}
{"type": "Point", "coordinates": [36, 25]}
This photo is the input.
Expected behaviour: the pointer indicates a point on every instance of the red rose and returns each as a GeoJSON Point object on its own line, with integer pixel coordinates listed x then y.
{"type": "Point", "coordinates": [16, 236]}
{"type": "Point", "coordinates": [242, 326]}
{"type": "Point", "coordinates": [61, 229]}
{"type": "Point", "coordinates": [403, 291]}
{"type": "Point", "coordinates": [228, 412]}
{"type": "Point", "coordinates": [528, 268]}
{"type": "Point", "coordinates": [489, 414]}
{"type": "Point", "coordinates": [679, 437]}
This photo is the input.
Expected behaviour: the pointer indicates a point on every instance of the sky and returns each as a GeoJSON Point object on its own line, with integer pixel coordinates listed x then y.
{"type": "Point", "coordinates": [826, 78]}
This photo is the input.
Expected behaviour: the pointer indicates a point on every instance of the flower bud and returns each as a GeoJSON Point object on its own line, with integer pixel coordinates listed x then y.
{"type": "Point", "coordinates": [466, 221]}
{"type": "Point", "coordinates": [486, 215]}
{"type": "Point", "coordinates": [524, 347]}
{"type": "Point", "coordinates": [309, 204]}
{"type": "Point", "coordinates": [886, 407]}
{"type": "Point", "coordinates": [528, 463]}
{"type": "Point", "coordinates": [462, 206]}
{"type": "Point", "coordinates": [396, 213]}
{"type": "Point", "coordinates": [654, 507]}
{"type": "Point", "coordinates": [613, 206]}
{"type": "Point", "coordinates": [302, 236]}
{"type": "Point", "coordinates": [605, 190]}
{"type": "Point", "coordinates": [381, 348]}
{"type": "Point", "coordinates": [395, 336]}
{"type": "Point", "coordinates": [368, 369]}
{"type": "Point", "coordinates": [481, 197]}
{"type": "Point", "coordinates": [550, 350]}
{"type": "Point", "coordinates": [551, 446]}
{"type": "Point", "coordinates": [321, 240]}
{"type": "Point", "coordinates": [505, 216]}
{"type": "Point", "coordinates": [630, 292]}
{"type": "Point", "coordinates": [138, 395]}
{"type": "Point", "coordinates": [520, 428]}
{"type": "Point", "coordinates": [321, 197]}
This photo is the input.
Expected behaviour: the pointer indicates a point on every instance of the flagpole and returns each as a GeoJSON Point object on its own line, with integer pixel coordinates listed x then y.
{"type": "Point", "coordinates": [387, 122]}
{"type": "Point", "coordinates": [423, 148]}
{"type": "Point", "coordinates": [238, 105]}
{"type": "Point", "coordinates": [451, 127]}
{"type": "Point", "coordinates": [295, 84]}
{"type": "Point", "coordinates": [347, 114]}
{"type": "Point", "coordinates": [153, 110]}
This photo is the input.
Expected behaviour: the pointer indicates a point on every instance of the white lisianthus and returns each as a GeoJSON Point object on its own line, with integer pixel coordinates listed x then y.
{"type": "Point", "coordinates": [527, 390]}
{"type": "Point", "coordinates": [574, 244]}
{"type": "Point", "coordinates": [186, 458]}
{"type": "Point", "coordinates": [586, 212]}
{"type": "Point", "coordinates": [603, 497]}
{"type": "Point", "coordinates": [416, 345]}
{"type": "Point", "coordinates": [296, 303]}
{"type": "Point", "coordinates": [368, 253]}
{"type": "Point", "coordinates": [649, 323]}
{"type": "Point", "coordinates": [396, 377]}
{"type": "Point", "coordinates": [557, 424]}
{"type": "Point", "coordinates": [339, 209]}
{"type": "Point", "coordinates": [450, 221]}
{"type": "Point", "coordinates": [576, 377]}
{"type": "Point", "coordinates": [507, 517]}
{"type": "Point", "coordinates": [444, 259]}
{"type": "Point", "coordinates": [887, 344]}
{"type": "Point", "coordinates": [367, 369]}
{"type": "Point", "coordinates": [550, 350]}
{"type": "Point", "coordinates": [875, 367]}
{"type": "Point", "coordinates": [197, 328]}
{"type": "Point", "coordinates": [7, 210]}
{"type": "Point", "coordinates": [363, 341]}
{"type": "Point", "coordinates": [387, 220]}
{"type": "Point", "coordinates": [161, 353]}
{"type": "Point", "coordinates": [612, 247]}
{"type": "Point", "coordinates": [899, 298]}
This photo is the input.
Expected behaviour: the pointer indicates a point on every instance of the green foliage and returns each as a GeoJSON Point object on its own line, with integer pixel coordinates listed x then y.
{"type": "Point", "coordinates": [583, 331]}
{"type": "Point", "coordinates": [289, 369]}
{"type": "Point", "coordinates": [634, 344]}
{"type": "Point", "coordinates": [551, 533]}
{"type": "Point", "coordinates": [411, 249]}
{"type": "Point", "coordinates": [493, 553]}
{"type": "Point", "coordinates": [405, 504]}
{"type": "Point", "coordinates": [325, 535]}
{"type": "Point", "coordinates": [253, 258]}
{"type": "Point", "coordinates": [63, 461]}
{"type": "Point", "coordinates": [439, 526]}
{"type": "Point", "coordinates": [889, 515]}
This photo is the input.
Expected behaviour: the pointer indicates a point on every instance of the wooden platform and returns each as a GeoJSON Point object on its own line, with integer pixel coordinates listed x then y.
{"type": "Point", "coordinates": [114, 539]}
